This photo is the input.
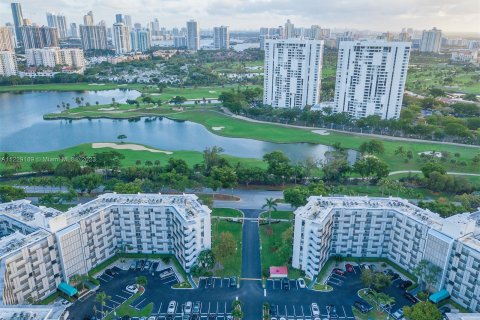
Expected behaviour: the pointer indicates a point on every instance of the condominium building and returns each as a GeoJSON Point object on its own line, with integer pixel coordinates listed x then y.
{"type": "Point", "coordinates": [17, 21]}
{"type": "Point", "coordinates": [221, 37]}
{"type": "Point", "coordinates": [121, 38]}
{"type": "Point", "coordinates": [431, 40]}
{"type": "Point", "coordinates": [93, 37]}
{"type": "Point", "coordinates": [8, 63]}
{"type": "Point", "coordinates": [292, 73]}
{"type": "Point", "coordinates": [289, 30]}
{"type": "Point", "coordinates": [59, 22]}
{"type": "Point", "coordinates": [141, 39]}
{"type": "Point", "coordinates": [51, 57]}
{"type": "Point", "coordinates": [391, 228]}
{"type": "Point", "coordinates": [6, 43]}
{"type": "Point", "coordinates": [371, 78]}
{"type": "Point", "coordinates": [193, 35]}
{"type": "Point", "coordinates": [39, 37]}
{"type": "Point", "coordinates": [42, 247]}
{"type": "Point", "coordinates": [180, 42]}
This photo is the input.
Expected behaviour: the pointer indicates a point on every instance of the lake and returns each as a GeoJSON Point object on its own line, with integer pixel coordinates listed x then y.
{"type": "Point", "coordinates": [22, 128]}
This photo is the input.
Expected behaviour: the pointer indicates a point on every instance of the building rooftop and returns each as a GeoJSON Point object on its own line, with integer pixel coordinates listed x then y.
{"type": "Point", "coordinates": [456, 226]}
{"type": "Point", "coordinates": [31, 312]}
{"type": "Point", "coordinates": [26, 212]}
{"type": "Point", "coordinates": [186, 204]}
{"type": "Point", "coordinates": [17, 240]}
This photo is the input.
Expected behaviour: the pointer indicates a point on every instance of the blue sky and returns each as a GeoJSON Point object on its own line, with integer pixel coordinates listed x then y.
{"type": "Point", "coordinates": [388, 15]}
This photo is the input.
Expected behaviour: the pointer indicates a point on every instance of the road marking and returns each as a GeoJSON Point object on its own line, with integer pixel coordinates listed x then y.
{"type": "Point", "coordinates": [114, 301]}
{"type": "Point", "coordinates": [121, 297]}
{"type": "Point", "coordinates": [159, 307]}
{"type": "Point", "coordinates": [264, 292]}
{"type": "Point", "coordinates": [250, 279]}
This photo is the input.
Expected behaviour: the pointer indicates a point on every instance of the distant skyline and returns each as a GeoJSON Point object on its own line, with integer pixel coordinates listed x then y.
{"type": "Point", "coordinates": [377, 15]}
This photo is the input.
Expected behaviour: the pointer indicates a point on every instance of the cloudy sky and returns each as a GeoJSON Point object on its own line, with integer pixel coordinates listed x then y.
{"type": "Point", "coordinates": [391, 15]}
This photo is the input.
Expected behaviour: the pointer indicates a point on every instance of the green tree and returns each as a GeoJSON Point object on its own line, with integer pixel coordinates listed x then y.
{"type": "Point", "coordinates": [427, 273]}
{"type": "Point", "coordinates": [224, 246]}
{"type": "Point", "coordinates": [121, 137]}
{"type": "Point", "coordinates": [206, 259]}
{"type": "Point", "coordinates": [87, 182]}
{"type": "Point", "coordinates": [432, 166]}
{"type": "Point", "coordinates": [212, 158]}
{"type": "Point", "coordinates": [68, 169]}
{"type": "Point", "coordinates": [43, 166]}
{"type": "Point", "coordinates": [226, 176]}
{"type": "Point", "coordinates": [336, 169]}
{"type": "Point", "coordinates": [9, 193]}
{"type": "Point", "coordinates": [381, 281]}
{"type": "Point", "coordinates": [128, 188]}
{"type": "Point", "coordinates": [278, 165]}
{"type": "Point", "coordinates": [422, 311]}
{"type": "Point", "coordinates": [271, 205]}
{"type": "Point", "coordinates": [296, 196]}
{"type": "Point", "coordinates": [102, 298]}
{"type": "Point", "coordinates": [367, 277]}
{"type": "Point", "coordinates": [372, 147]}
{"type": "Point", "coordinates": [142, 281]}
{"type": "Point", "coordinates": [237, 312]}
{"type": "Point", "coordinates": [371, 166]}
{"type": "Point", "coordinates": [178, 100]}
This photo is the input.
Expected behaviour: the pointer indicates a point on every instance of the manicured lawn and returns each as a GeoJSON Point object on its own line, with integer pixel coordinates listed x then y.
{"type": "Point", "coordinates": [232, 265]}
{"type": "Point", "coordinates": [270, 239]}
{"type": "Point", "coordinates": [131, 156]}
{"type": "Point", "coordinates": [278, 215]}
{"type": "Point", "coordinates": [195, 92]}
{"type": "Point", "coordinates": [68, 87]}
{"type": "Point", "coordinates": [226, 212]}
{"type": "Point", "coordinates": [125, 310]}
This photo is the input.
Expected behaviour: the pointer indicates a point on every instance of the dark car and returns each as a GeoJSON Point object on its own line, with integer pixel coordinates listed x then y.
{"type": "Point", "coordinates": [286, 284]}
{"type": "Point", "coordinates": [109, 272]}
{"type": "Point", "coordinates": [444, 310]}
{"type": "Point", "coordinates": [395, 276]}
{"type": "Point", "coordinates": [212, 316]}
{"type": "Point", "coordinates": [410, 297]}
{"type": "Point", "coordinates": [363, 307]}
{"type": "Point", "coordinates": [405, 284]}
{"type": "Point", "coordinates": [273, 310]}
{"type": "Point", "coordinates": [233, 281]}
{"type": "Point", "coordinates": [196, 307]}
{"type": "Point", "coordinates": [338, 271]}
{"type": "Point", "coordinates": [349, 267]}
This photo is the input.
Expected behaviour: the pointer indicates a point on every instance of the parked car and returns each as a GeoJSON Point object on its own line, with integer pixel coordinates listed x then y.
{"type": "Point", "coordinates": [338, 271]}
{"type": "Point", "coordinates": [233, 281]}
{"type": "Point", "coordinates": [410, 297]}
{"type": "Point", "coordinates": [196, 307]}
{"type": "Point", "coordinates": [286, 284]}
{"type": "Point", "coordinates": [398, 314]}
{"type": "Point", "coordinates": [373, 267]}
{"type": "Point", "coordinates": [301, 283]}
{"type": "Point", "coordinates": [147, 265]}
{"type": "Point", "coordinates": [405, 284]}
{"type": "Point", "coordinates": [364, 266]}
{"type": "Point", "coordinates": [187, 308]}
{"type": "Point", "coordinates": [171, 307]}
{"type": "Point", "coordinates": [315, 310]}
{"type": "Point", "coordinates": [388, 272]}
{"type": "Point", "coordinates": [363, 307]}
{"type": "Point", "coordinates": [133, 288]}
{"type": "Point", "coordinates": [212, 316]}
{"type": "Point", "coordinates": [349, 267]}
{"type": "Point", "coordinates": [395, 276]}
{"type": "Point", "coordinates": [444, 310]}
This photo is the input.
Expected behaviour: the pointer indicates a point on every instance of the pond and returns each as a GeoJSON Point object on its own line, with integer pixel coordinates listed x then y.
{"type": "Point", "coordinates": [22, 128]}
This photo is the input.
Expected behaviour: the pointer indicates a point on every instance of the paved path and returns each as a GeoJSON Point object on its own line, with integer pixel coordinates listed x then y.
{"type": "Point", "coordinates": [452, 173]}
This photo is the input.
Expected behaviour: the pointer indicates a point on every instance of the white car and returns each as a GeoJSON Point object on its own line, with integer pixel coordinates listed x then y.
{"type": "Point", "coordinates": [187, 308]}
{"type": "Point", "coordinates": [171, 307]}
{"type": "Point", "coordinates": [301, 283]}
{"type": "Point", "coordinates": [133, 288]}
{"type": "Point", "coordinates": [315, 310]}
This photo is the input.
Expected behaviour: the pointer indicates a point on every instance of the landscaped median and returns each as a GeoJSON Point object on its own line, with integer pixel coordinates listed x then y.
{"type": "Point", "coordinates": [126, 310]}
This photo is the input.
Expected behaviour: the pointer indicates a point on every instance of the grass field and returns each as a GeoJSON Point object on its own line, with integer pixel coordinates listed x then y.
{"type": "Point", "coordinates": [270, 237]}
{"type": "Point", "coordinates": [278, 215]}
{"type": "Point", "coordinates": [226, 212]}
{"type": "Point", "coordinates": [232, 265]}
{"type": "Point", "coordinates": [131, 156]}
{"type": "Point", "coordinates": [195, 92]}
{"type": "Point", "coordinates": [280, 134]}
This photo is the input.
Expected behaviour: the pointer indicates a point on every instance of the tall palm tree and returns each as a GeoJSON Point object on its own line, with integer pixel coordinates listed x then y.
{"type": "Point", "coordinates": [102, 298]}
{"type": "Point", "coordinates": [272, 206]}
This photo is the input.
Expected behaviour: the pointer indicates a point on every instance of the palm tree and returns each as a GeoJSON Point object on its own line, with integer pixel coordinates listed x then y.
{"type": "Point", "coordinates": [142, 281]}
{"type": "Point", "coordinates": [271, 205]}
{"type": "Point", "coordinates": [102, 298]}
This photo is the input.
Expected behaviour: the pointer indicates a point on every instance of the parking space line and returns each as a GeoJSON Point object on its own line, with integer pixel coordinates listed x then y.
{"type": "Point", "coordinates": [114, 301]}
{"type": "Point", "coordinates": [121, 297]}
{"type": "Point", "coordinates": [159, 307]}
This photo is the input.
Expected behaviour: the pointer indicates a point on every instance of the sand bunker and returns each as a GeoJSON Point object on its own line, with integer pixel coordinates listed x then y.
{"type": "Point", "coordinates": [321, 132]}
{"type": "Point", "coordinates": [217, 128]}
{"type": "Point", "coordinates": [127, 146]}
{"type": "Point", "coordinates": [212, 91]}
{"type": "Point", "coordinates": [106, 109]}
{"type": "Point", "coordinates": [96, 84]}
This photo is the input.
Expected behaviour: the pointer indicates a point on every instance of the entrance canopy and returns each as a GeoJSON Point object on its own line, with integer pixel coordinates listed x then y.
{"type": "Point", "coordinates": [439, 296]}
{"type": "Point", "coordinates": [278, 272]}
{"type": "Point", "coordinates": [67, 289]}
